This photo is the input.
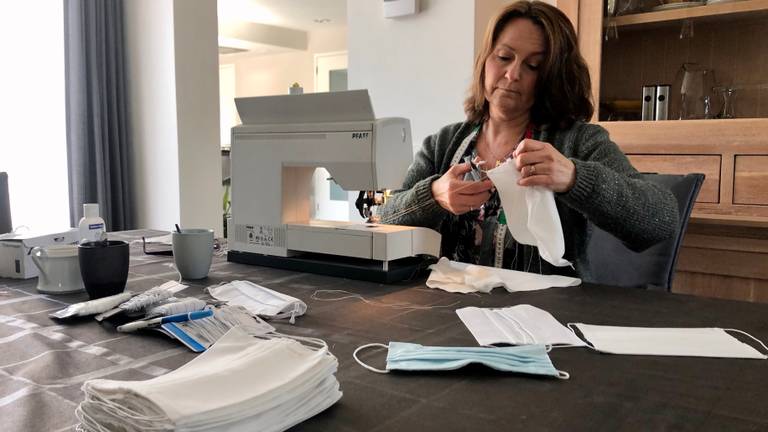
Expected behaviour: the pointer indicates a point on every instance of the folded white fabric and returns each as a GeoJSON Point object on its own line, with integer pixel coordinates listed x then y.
{"type": "Point", "coordinates": [689, 342]}
{"type": "Point", "coordinates": [460, 277]}
{"type": "Point", "coordinates": [259, 300]}
{"type": "Point", "coordinates": [516, 325]}
{"type": "Point", "coordinates": [239, 384]}
{"type": "Point", "coordinates": [531, 214]}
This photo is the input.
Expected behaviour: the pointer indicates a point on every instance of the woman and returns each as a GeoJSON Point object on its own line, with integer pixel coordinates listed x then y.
{"type": "Point", "coordinates": [529, 100]}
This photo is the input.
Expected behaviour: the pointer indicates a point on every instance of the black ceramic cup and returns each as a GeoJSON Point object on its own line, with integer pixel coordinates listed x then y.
{"type": "Point", "coordinates": [104, 267]}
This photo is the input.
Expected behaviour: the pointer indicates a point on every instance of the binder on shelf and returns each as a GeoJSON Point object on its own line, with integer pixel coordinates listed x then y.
{"type": "Point", "coordinates": [662, 102]}
{"type": "Point", "coordinates": [649, 102]}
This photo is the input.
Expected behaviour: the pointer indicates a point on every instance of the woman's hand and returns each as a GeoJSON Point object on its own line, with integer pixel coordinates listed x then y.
{"type": "Point", "coordinates": [458, 196]}
{"type": "Point", "coordinates": [540, 164]}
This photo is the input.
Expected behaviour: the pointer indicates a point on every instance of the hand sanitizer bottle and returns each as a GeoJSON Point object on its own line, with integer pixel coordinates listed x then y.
{"type": "Point", "coordinates": [91, 225]}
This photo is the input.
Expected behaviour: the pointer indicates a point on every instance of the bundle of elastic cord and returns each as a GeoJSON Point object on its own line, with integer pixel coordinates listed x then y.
{"type": "Point", "coordinates": [152, 297]}
{"type": "Point", "coordinates": [349, 295]}
{"type": "Point", "coordinates": [176, 306]}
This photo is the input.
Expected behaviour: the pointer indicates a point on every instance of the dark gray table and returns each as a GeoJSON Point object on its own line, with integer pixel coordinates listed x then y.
{"type": "Point", "coordinates": [43, 363]}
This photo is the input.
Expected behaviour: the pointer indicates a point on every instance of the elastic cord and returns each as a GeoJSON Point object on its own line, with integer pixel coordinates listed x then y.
{"type": "Point", "coordinates": [745, 333]}
{"type": "Point", "coordinates": [370, 368]}
{"type": "Point", "coordinates": [588, 343]}
{"type": "Point", "coordinates": [321, 344]}
{"type": "Point", "coordinates": [317, 295]}
{"type": "Point", "coordinates": [563, 375]}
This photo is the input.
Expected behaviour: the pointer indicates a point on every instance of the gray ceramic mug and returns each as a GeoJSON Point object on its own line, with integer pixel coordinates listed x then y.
{"type": "Point", "coordinates": [193, 252]}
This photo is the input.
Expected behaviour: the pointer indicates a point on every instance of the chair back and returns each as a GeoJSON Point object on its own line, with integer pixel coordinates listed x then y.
{"type": "Point", "coordinates": [5, 205]}
{"type": "Point", "coordinates": [612, 263]}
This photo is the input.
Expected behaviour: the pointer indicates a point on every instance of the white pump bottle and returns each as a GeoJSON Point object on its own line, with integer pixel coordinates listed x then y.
{"type": "Point", "coordinates": [91, 226]}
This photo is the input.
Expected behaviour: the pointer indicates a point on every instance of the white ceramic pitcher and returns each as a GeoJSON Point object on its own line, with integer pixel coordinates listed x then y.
{"type": "Point", "coordinates": [59, 269]}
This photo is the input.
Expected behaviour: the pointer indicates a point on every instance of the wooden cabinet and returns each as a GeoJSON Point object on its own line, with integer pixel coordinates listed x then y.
{"type": "Point", "coordinates": [725, 251]}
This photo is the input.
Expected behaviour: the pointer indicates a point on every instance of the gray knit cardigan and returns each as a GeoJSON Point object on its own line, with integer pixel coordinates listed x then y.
{"type": "Point", "coordinates": [607, 191]}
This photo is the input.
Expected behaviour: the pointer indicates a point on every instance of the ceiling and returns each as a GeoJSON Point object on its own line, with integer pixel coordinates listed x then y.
{"type": "Point", "coordinates": [293, 14]}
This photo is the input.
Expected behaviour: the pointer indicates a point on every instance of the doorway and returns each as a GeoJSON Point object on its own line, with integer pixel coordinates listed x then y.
{"type": "Point", "coordinates": [330, 201]}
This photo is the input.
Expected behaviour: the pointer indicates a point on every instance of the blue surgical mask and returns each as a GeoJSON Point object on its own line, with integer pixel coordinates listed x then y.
{"type": "Point", "coordinates": [526, 359]}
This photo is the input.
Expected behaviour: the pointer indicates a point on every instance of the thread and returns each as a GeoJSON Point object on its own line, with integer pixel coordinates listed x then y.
{"type": "Point", "coordinates": [317, 296]}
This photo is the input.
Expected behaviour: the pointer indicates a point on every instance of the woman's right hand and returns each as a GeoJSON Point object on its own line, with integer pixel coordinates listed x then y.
{"type": "Point", "coordinates": [458, 196]}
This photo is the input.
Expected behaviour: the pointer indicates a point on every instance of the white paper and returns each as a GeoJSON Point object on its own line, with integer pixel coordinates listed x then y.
{"type": "Point", "coordinates": [517, 325]}
{"type": "Point", "coordinates": [531, 214]}
{"type": "Point", "coordinates": [453, 276]}
{"type": "Point", "coordinates": [690, 342]}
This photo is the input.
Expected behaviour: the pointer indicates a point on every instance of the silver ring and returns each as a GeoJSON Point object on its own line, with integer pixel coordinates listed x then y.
{"type": "Point", "coordinates": [532, 171]}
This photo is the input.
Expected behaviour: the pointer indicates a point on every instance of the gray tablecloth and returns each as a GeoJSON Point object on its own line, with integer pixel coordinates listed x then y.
{"type": "Point", "coordinates": [43, 363]}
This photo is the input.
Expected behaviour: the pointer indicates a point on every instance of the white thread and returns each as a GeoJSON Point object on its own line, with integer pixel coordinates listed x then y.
{"type": "Point", "coordinates": [370, 368]}
{"type": "Point", "coordinates": [315, 296]}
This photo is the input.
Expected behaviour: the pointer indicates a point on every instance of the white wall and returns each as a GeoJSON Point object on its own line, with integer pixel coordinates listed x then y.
{"type": "Point", "coordinates": [172, 63]}
{"type": "Point", "coordinates": [272, 74]}
{"type": "Point", "coordinates": [197, 113]}
{"type": "Point", "coordinates": [418, 67]}
{"type": "Point", "coordinates": [150, 61]}
{"type": "Point", "coordinates": [33, 140]}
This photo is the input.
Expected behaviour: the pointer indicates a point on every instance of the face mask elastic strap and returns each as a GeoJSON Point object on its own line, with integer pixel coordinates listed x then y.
{"type": "Point", "coordinates": [370, 368]}
{"type": "Point", "coordinates": [563, 375]}
{"type": "Point", "coordinates": [588, 343]}
{"type": "Point", "coordinates": [309, 340]}
{"type": "Point", "coordinates": [747, 334]}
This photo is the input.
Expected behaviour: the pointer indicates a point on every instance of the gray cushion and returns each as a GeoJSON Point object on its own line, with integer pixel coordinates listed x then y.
{"type": "Point", "coordinates": [612, 263]}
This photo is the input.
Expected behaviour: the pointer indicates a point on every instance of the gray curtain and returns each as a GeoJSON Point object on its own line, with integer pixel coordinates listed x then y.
{"type": "Point", "coordinates": [98, 142]}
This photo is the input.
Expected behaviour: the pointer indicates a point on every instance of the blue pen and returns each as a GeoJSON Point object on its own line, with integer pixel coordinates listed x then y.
{"type": "Point", "coordinates": [135, 325]}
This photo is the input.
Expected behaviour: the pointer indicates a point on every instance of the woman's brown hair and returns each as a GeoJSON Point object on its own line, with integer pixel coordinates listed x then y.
{"type": "Point", "coordinates": [563, 89]}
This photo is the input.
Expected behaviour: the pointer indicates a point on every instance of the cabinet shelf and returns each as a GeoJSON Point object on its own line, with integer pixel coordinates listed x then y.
{"type": "Point", "coordinates": [736, 9]}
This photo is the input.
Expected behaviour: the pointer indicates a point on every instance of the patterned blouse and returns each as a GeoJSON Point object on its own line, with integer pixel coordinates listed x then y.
{"type": "Point", "coordinates": [481, 236]}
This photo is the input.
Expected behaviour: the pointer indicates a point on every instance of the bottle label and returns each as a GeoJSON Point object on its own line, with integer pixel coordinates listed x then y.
{"type": "Point", "coordinates": [95, 226]}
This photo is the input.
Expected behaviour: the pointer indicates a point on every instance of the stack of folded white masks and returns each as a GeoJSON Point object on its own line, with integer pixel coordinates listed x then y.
{"type": "Point", "coordinates": [239, 384]}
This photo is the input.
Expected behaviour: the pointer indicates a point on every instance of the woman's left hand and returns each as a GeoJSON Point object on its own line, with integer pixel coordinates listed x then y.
{"type": "Point", "coordinates": [540, 164]}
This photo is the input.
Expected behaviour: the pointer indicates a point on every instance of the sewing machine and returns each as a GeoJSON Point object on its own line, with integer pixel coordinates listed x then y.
{"type": "Point", "coordinates": [274, 155]}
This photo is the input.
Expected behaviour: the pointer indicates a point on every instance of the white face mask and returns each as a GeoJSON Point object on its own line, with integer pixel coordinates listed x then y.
{"type": "Point", "coordinates": [692, 342]}
{"type": "Point", "coordinates": [516, 325]}
{"type": "Point", "coordinates": [531, 214]}
{"type": "Point", "coordinates": [287, 383]}
{"type": "Point", "coordinates": [530, 359]}
{"type": "Point", "coordinates": [461, 277]}
{"type": "Point", "coordinates": [259, 300]}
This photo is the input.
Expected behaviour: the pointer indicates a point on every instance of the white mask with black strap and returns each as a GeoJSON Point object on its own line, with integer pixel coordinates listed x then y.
{"type": "Point", "coordinates": [688, 342]}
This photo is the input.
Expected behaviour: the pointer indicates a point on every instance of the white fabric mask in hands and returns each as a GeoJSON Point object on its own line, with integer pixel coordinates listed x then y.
{"type": "Point", "coordinates": [531, 214]}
